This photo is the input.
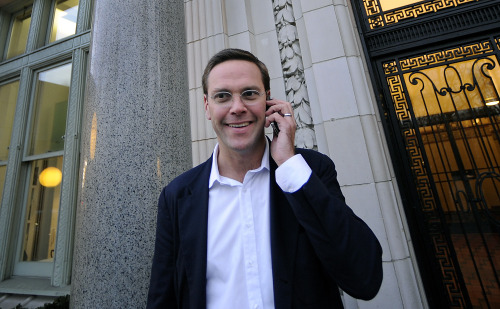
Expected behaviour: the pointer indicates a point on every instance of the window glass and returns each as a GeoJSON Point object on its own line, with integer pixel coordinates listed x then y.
{"type": "Point", "coordinates": [8, 98]}
{"type": "Point", "coordinates": [19, 33]}
{"type": "Point", "coordinates": [64, 21]}
{"type": "Point", "coordinates": [42, 210]}
{"type": "Point", "coordinates": [51, 104]}
{"type": "Point", "coordinates": [392, 4]}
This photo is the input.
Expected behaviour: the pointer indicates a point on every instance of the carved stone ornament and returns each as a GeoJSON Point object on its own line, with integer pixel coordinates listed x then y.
{"type": "Point", "coordinates": [293, 73]}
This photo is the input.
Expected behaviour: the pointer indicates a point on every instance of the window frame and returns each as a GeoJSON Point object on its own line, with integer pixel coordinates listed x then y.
{"type": "Point", "coordinates": [39, 57]}
{"type": "Point", "coordinates": [21, 268]}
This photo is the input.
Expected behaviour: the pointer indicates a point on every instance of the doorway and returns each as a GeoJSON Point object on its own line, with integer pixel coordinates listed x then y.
{"type": "Point", "coordinates": [435, 66]}
{"type": "Point", "coordinates": [445, 107]}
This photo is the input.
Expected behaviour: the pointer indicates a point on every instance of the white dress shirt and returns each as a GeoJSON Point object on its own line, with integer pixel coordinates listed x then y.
{"type": "Point", "coordinates": [239, 266]}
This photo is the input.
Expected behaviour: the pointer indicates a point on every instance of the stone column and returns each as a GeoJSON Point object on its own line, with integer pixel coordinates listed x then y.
{"type": "Point", "coordinates": [135, 139]}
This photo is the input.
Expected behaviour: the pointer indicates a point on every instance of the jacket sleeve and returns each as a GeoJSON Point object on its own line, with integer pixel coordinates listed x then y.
{"type": "Point", "coordinates": [161, 288]}
{"type": "Point", "coordinates": [347, 248]}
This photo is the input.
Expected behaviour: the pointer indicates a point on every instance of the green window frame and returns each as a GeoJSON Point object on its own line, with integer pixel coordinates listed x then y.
{"type": "Point", "coordinates": [39, 57]}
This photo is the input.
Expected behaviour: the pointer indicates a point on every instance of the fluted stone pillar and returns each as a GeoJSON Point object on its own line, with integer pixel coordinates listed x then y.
{"type": "Point", "coordinates": [135, 139]}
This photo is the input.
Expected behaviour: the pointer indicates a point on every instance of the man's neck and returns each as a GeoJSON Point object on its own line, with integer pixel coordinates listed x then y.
{"type": "Point", "coordinates": [235, 165]}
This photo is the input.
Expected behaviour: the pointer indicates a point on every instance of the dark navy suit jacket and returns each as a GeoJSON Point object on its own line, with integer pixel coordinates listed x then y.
{"type": "Point", "coordinates": [317, 243]}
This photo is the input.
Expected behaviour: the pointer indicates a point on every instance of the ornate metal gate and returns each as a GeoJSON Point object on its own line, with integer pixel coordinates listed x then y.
{"type": "Point", "coordinates": [445, 105]}
{"type": "Point", "coordinates": [436, 67]}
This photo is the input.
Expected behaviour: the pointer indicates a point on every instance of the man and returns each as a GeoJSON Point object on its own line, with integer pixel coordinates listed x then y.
{"type": "Point", "coordinates": [261, 224]}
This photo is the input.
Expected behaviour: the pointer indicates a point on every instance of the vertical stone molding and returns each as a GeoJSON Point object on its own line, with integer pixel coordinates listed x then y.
{"type": "Point", "coordinates": [293, 73]}
{"type": "Point", "coordinates": [135, 139]}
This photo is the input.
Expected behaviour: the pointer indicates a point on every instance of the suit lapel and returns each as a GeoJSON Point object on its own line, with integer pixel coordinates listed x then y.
{"type": "Point", "coordinates": [284, 231]}
{"type": "Point", "coordinates": [193, 217]}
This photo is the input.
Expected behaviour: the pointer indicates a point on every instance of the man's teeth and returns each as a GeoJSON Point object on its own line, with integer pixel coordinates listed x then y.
{"type": "Point", "coordinates": [239, 125]}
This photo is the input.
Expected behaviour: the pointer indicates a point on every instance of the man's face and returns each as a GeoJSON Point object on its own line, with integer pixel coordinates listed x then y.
{"type": "Point", "coordinates": [239, 126]}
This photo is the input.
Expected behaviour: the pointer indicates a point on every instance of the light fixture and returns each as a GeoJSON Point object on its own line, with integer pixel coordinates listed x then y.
{"type": "Point", "coordinates": [50, 177]}
{"type": "Point", "coordinates": [491, 101]}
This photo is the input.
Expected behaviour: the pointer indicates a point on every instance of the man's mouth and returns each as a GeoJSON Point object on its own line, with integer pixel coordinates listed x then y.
{"type": "Point", "coordinates": [239, 125]}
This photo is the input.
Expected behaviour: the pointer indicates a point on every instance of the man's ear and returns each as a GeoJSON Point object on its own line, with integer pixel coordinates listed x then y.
{"type": "Point", "coordinates": [205, 103]}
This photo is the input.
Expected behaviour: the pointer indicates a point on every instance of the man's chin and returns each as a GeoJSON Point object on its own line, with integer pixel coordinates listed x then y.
{"type": "Point", "coordinates": [245, 147]}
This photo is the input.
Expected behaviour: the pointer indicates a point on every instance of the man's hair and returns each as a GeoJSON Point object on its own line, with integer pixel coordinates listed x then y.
{"type": "Point", "coordinates": [234, 54]}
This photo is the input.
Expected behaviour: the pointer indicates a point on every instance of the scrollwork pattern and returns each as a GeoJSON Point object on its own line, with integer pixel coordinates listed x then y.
{"type": "Point", "coordinates": [293, 73]}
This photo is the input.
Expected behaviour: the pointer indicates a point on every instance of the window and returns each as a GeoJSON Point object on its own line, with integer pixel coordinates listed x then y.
{"type": "Point", "coordinates": [64, 21]}
{"type": "Point", "coordinates": [18, 36]}
{"type": "Point", "coordinates": [43, 162]}
{"type": "Point", "coordinates": [393, 4]}
{"type": "Point", "coordinates": [8, 98]}
{"type": "Point", "coordinates": [41, 98]}
{"type": "Point", "coordinates": [51, 105]}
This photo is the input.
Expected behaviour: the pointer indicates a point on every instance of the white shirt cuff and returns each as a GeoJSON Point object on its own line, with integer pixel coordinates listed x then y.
{"type": "Point", "coordinates": [293, 174]}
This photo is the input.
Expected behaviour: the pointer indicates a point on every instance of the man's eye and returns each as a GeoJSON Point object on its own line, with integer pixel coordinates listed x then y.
{"type": "Point", "coordinates": [222, 96]}
{"type": "Point", "coordinates": [250, 94]}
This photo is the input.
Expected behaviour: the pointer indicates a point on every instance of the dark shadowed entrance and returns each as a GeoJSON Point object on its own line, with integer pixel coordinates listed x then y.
{"type": "Point", "coordinates": [435, 65]}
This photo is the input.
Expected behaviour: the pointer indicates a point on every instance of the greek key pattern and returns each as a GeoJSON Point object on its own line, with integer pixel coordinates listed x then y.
{"type": "Point", "coordinates": [447, 265]}
{"type": "Point", "coordinates": [421, 9]}
{"type": "Point", "coordinates": [446, 55]}
{"type": "Point", "coordinates": [377, 18]}
{"type": "Point", "coordinates": [390, 67]}
{"type": "Point", "coordinates": [372, 7]}
{"type": "Point", "coordinates": [376, 22]}
{"type": "Point", "coordinates": [427, 198]}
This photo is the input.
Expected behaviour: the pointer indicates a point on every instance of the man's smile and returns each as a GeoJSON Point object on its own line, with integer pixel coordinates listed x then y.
{"type": "Point", "coordinates": [239, 125]}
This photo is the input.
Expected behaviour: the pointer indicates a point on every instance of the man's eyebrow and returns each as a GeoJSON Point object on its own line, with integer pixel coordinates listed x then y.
{"type": "Point", "coordinates": [241, 89]}
{"type": "Point", "coordinates": [220, 89]}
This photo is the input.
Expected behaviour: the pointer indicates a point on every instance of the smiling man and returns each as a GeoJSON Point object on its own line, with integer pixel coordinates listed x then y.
{"type": "Point", "coordinates": [261, 224]}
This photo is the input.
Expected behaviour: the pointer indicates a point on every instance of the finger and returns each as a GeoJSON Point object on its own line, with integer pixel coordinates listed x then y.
{"type": "Point", "coordinates": [286, 123]}
{"type": "Point", "coordinates": [282, 108]}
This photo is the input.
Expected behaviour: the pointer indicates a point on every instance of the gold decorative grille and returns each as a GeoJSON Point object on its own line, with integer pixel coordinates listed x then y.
{"type": "Point", "coordinates": [425, 192]}
{"type": "Point", "coordinates": [442, 56]}
{"type": "Point", "coordinates": [378, 18]}
{"type": "Point", "coordinates": [372, 7]}
{"type": "Point", "coordinates": [443, 106]}
{"type": "Point", "coordinates": [390, 67]}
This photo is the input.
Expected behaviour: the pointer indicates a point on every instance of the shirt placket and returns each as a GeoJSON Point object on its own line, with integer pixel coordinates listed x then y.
{"type": "Point", "coordinates": [250, 249]}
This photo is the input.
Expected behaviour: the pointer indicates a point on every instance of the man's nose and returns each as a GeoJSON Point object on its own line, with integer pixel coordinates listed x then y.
{"type": "Point", "coordinates": [237, 104]}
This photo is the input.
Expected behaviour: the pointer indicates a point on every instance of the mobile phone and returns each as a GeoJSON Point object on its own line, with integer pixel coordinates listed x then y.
{"type": "Point", "coordinates": [274, 124]}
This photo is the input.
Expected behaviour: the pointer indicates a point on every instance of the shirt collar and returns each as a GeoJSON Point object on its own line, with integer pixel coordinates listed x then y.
{"type": "Point", "coordinates": [214, 173]}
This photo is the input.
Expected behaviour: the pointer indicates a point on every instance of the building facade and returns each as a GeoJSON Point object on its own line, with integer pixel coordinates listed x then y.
{"type": "Point", "coordinates": [101, 105]}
